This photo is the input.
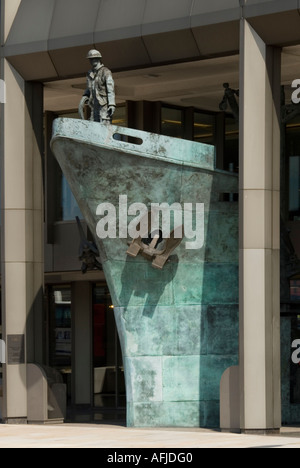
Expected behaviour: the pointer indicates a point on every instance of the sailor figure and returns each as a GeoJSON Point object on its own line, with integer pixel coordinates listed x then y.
{"type": "Point", "coordinates": [100, 92]}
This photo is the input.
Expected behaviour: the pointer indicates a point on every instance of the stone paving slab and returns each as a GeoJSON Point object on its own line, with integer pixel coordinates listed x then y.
{"type": "Point", "coordinates": [114, 437]}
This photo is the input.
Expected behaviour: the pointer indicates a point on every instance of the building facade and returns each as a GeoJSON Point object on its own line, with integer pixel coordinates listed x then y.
{"type": "Point", "coordinates": [170, 60]}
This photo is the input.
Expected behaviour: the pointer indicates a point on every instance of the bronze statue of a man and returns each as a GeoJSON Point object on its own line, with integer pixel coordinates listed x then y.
{"type": "Point", "coordinates": [100, 92]}
{"type": "Point", "coordinates": [229, 98]}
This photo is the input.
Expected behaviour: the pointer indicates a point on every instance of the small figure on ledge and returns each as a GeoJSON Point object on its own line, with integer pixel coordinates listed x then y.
{"type": "Point", "coordinates": [229, 98]}
{"type": "Point", "coordinates": [87, 252]}
{"type": "Point", "coordinates": [100, 92]}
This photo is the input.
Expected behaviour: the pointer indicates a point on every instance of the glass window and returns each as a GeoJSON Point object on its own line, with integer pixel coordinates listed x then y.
{"type": "Point", "coordinates": [231, 145]}
{"type": "Point", "coordinates": [60, 332]}
{"type": "Point", "coordinates": [109, 381]}
{"type": "Point", "coordinates": [60, 327]}
{"type": "Point", "coordinates": [294, 366]}
{"type": "Point", "coordinates": [120, 117]}
{"type": "Point", "coordinates": [294, 187]}
{"type": "Point", "coordinates": [295, 335]}
{"type": "Point", "coordinates": [295, 290]}
{"type": "Point", "coordinates": [172, 122]}
{"type": "Point", "coordinates": [69, 206]}
{"type": "Point", "coordinates": [204, 128]}
{"type": "Point", "coordinates": [293, 170]}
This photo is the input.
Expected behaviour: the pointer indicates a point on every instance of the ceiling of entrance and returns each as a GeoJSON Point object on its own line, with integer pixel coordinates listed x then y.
{"type": "Point", "coordinates": [198, 84]}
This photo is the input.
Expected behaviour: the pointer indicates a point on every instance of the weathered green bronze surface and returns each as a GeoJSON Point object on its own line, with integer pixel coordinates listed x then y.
{"type": "Point", "coordinates": [178, 326]}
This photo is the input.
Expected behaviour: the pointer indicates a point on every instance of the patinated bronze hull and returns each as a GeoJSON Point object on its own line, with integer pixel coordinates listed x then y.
{"type": "Point", "coordinates": [178, 326]}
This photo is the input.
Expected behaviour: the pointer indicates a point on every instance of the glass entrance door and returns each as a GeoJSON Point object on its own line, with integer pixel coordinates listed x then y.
{"type": "Point", "coordinates": [109, 382]}
{"type": "Point", "coordinates": [60, 332]}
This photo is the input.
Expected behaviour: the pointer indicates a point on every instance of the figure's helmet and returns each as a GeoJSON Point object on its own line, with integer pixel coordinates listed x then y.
{"type": "Point", "coordinates": [94, 54]}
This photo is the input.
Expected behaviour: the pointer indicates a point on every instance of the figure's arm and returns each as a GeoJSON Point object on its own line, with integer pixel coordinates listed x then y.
{"type": "Point", "coordinates": [111, 98]}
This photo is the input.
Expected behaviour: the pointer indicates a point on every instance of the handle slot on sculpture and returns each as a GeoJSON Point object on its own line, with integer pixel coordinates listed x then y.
{"type": "Point", "coordinates": [153, 246]}
{"type": "Point", "coordinates": [128, 139]}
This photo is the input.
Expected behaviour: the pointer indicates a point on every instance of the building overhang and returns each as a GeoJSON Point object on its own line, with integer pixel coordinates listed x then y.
{"type": "Point", "coordinates": [49, 40]}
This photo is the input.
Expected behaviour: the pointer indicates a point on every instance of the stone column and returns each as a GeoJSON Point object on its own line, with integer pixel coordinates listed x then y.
{"type": "Point", "coordinates": [21, 237]}
{"type": "Point", "coordinates": [260, 402]}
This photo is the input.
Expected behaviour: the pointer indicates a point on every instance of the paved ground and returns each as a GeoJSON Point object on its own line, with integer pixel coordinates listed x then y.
{"type": "Point", "coordinates": [114, 437]}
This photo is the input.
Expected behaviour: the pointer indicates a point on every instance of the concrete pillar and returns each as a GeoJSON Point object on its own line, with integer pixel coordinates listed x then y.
{"type": "Point", "coordinates": [82, 342]}
{"type": "Point", "coordinates": [22, 267]}
{"type": "Point", "coordinates": [260, 401]}
{"type": "Point", "coordinates": [230, 400]}
{"type": "Point", "coordinates": [9, 9]}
